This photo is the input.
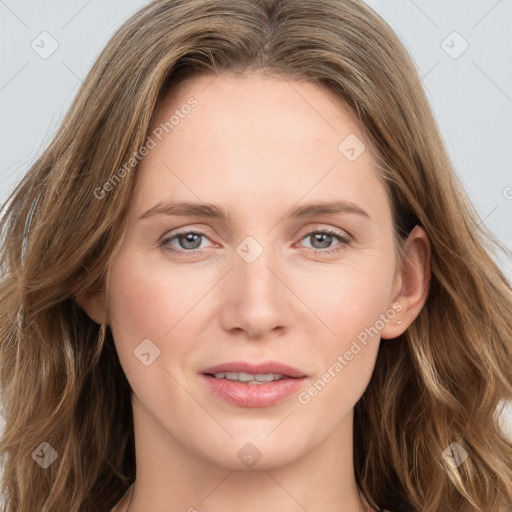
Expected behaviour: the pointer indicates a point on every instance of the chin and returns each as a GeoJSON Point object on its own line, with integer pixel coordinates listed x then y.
{"type": "Point", "coordinates": [253, 453]}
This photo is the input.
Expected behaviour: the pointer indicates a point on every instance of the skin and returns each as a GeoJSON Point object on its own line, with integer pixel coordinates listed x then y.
{"type": "Point", "coordinates": [257, 147]}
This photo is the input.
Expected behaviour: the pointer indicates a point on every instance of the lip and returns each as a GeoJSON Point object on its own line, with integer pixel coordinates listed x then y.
{"type": "Point", "coordinates": [254, 395]}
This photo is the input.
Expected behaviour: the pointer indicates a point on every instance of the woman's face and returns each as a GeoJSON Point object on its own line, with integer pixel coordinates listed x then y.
{"type": "Point", "coordinates": [272, 281]}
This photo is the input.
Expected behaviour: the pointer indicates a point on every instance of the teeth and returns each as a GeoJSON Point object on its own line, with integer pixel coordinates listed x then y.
{"type": "Point", "coordinates": [267, 377]}
{"type": "Point", "coordinates": [250, 378]}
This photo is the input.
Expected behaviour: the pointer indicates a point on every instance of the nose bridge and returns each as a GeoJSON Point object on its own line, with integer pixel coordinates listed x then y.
{"type": "Point", "coordinates": [252, 264]}
{"type": "Point", "coordinates": [256, 301]}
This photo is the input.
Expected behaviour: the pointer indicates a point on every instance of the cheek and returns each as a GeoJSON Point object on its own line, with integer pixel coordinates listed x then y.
{"type": "Point", "coordinates": [149, 302]}
{"type": "Point", "coordinates": [353, 304]}
{"type": "Point", "coordinates": [349, 299]}
{"type": "Point", "coordinates": [150, 299]}
{"type": "Point", "coordinates": [142, 303]}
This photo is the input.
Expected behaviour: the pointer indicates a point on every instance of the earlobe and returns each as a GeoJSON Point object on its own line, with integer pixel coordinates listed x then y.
{"type": "Point", "coordinates": [93, 303]}
{"type": "Point", "coordinates": [414, 283]}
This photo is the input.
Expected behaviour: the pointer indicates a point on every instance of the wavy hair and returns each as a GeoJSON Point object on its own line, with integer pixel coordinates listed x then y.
{"type": "Point", "coordinates": [61, 381]}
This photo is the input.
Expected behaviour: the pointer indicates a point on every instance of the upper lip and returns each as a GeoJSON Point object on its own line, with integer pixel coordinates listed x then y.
{"type": "Point", "coordinates": [255, 368]}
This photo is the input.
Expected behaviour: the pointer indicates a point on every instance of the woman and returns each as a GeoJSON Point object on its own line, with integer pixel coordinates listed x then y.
{"type": "Point", "coordinates": [243, 275]}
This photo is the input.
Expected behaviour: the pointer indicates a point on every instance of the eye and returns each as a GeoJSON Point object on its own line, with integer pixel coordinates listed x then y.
{"type": "Point", "coordinates": [188, 242]}
{"type": "Point", "coordinates": [321, 239]}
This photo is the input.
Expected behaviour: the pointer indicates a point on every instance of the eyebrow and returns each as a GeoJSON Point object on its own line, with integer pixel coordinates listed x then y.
{"type": "Point", "coordinates": [204, 210]}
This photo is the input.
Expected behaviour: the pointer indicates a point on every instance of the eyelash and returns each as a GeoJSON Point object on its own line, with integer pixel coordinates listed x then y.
{"type": "Point", "coordinates": [194, 252]}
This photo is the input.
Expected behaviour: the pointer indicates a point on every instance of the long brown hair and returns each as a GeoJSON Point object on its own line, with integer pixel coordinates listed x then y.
{"type": "Point", "coordinates": [61, 382]}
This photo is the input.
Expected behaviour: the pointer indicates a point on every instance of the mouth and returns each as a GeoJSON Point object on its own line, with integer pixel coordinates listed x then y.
{"type": "Point", "coordinates": [249, 378]}
{"type": "Point", "coordinates": [247, 384]}
{"type": "Point", "coordinates": [242, 370]}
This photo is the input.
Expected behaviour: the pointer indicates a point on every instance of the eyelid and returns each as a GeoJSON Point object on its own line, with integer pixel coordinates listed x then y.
{"type": "Point", "coordinates": [324, 228]}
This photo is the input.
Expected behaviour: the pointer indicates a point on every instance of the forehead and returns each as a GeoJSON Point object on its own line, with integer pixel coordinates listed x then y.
{"type": "Point", "coordinates": [271, 105]}
{"type": "Point", "coordinates": [255, 137]}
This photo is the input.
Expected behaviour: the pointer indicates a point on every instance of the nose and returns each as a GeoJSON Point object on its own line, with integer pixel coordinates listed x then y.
{"type": "Point", "coordinates": [255, 297]}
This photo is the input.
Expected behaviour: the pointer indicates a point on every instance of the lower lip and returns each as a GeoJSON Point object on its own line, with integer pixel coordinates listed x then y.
{"type": "Point", "coordinates": [253, 395]}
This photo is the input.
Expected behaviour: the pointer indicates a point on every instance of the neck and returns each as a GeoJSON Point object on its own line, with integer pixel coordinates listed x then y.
{"type": "Point", "coordinates": [169, 473]}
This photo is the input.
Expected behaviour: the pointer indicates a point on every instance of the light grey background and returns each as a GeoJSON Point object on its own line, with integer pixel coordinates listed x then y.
{"type": "Point", "coordinates": [471, 93]}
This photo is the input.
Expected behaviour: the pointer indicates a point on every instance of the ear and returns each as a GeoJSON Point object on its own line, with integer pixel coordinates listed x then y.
{"type": "Point", "coordinates": [93, 303]}
{"type": "Point", "coordinates": [411, 285]}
